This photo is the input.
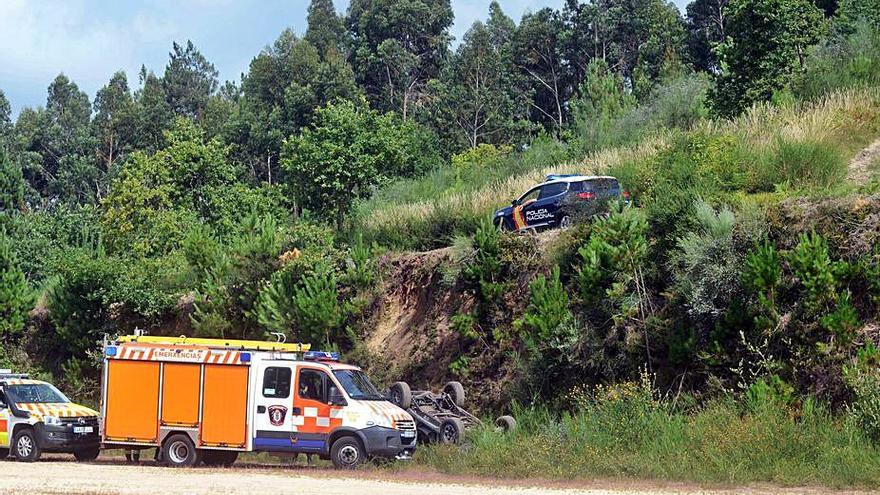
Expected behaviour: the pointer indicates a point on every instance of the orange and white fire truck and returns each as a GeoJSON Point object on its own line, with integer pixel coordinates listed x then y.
{"type": "Point", "coordinates": [206, 400]}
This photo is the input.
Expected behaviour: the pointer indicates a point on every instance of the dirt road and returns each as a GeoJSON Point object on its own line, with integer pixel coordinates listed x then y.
{"type": "Point", "coordinates": [64, 477]}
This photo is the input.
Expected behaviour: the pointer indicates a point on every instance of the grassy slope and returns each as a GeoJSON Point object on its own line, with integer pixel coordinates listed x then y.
{"type": "Point", "coordinates": [424, 213]}
{"type": "Point", "coordinates": [720, 443]}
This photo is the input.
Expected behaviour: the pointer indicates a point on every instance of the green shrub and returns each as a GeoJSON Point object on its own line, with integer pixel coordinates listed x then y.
{"type": "Point", "coordinates": [849, 60]}
{"type": "Point", "coordinates": [361, 267]}
{"type": "Point", "coordinates": [612, 259]}
{"type": "Point", "coordinates": [706, 264]}
{"type": "Point", "coordinates": [16, 297]}
{"type": "Point", "coordinates": [768, 393]}
{"type": "Point", "coordinates": [843, 322]}
{"type": "Point", "coordinates": [484, 269]}
{"type": "Point", "coordinates": [473, 160]}
{"type": "Point", "coordinates": [804, 163]}
{"type": "Point", "coordinates": [864, 380]}
{"type": "Point", "coordinates": [465, 325]}
{"type": "Point", "coordinates": [318, 312]}
{"type": "Point", "coordinates": [762, 276]}
{"type": "Point", "coordinates": [547, 309]}
{"type": "Point", "coordinates": [812, 266]}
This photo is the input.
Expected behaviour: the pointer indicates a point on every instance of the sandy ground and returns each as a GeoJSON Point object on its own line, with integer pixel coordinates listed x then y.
{"type": "Point", "coordinates": [57, 476]}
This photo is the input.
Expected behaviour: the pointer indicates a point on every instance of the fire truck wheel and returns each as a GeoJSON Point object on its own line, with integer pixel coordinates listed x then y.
{"type": "Point", "coordinates": [401, 394]}
{"type": "Point", "coordinates": [86, 455]}
{"type": "Point", "coordinates": [26, 447]}
{"type": "Point", "coordinates": [505, 424]}
{"type": "Point", "coordinates": [455, 391]}
{"type": "Point", "coordinates": [451, 431]}
{"type": "Point", "coordinates": [347, 453]}
{"type": "Point", "coordinates": [179, 451]}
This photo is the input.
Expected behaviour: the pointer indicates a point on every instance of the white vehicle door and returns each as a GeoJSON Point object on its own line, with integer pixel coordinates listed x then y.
{"type": "Point", "coordinates": [274, 407]}
{"type": "Point", "coordinates": [5, 427]}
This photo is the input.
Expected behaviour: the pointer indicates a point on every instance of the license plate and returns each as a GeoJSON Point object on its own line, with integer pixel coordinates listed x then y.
{"type": "Point", "coordinates": [83, 429]}
{"type": "Point", "coordinates": [407, 434]}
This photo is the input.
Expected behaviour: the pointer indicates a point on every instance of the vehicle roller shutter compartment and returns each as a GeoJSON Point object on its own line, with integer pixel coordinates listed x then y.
{"type": "Point", "coordinates": [224, 406]}
{"type": "Point", "coordinates": [132, 401]}
{"type": "Point", "coordinates": [180, 394]}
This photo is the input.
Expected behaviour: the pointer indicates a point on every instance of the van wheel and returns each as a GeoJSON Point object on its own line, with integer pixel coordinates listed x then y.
{"type": "Point", "coordinates": [455, 391]}
{"type": "Point", "coordinates": [86, 455]}
{"type": "Point", "coordinates": [505, 424]}
{"type": "Point", "coordinates": [401, 394]}
{"type": "Point", "coordinates": [451, 431]}
{"type": "Point", "coordinates": [179, 451]}
{"type": "Point", "coordinates": [347, 453]}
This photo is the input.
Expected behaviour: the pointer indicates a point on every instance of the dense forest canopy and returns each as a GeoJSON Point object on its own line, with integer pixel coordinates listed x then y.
{"type": "Point", "coordinates": [179, 203]}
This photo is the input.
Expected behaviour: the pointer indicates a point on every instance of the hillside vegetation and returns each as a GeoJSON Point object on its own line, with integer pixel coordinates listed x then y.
{"type": "Point", "coordinates": [800, 146]}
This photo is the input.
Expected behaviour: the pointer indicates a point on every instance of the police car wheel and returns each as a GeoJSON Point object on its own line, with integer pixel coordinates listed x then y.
{"type": "Point", "coordinates": [85, 455]}
{"type": "Point", "coordinates": [565, 222]}
{"type": "Point", "coordinates": [26, 448]}
{"type": "Point", "coordinates": [347, 453]}
{"type": "Point", "coordinates": [179, 451]}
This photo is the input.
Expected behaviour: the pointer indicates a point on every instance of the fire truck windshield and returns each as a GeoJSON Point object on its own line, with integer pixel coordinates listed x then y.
{"type": "Point", "coordinates": [357, 385]}
{"type": "Point", "coordinates": [35, 393]}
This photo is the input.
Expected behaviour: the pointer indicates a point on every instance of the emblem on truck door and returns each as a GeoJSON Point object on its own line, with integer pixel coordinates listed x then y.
{"type": "Point", "coordinates": [276, 415]}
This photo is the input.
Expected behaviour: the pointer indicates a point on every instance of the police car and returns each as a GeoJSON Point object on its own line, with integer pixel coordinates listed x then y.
{"type": "Point", "coordinates": [554, 202]}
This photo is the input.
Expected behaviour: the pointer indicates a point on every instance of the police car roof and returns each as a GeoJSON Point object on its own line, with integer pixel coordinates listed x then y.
{"type": "Point", "coordinates": [554, 179]}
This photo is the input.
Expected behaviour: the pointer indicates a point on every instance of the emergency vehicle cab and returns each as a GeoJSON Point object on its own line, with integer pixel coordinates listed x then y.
{"type": "Point", "coordinates": [35, 417]}
{"type": "Point", "coordinates": [206, 400]}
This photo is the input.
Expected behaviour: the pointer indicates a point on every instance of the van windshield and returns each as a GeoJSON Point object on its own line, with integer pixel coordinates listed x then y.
{"type": "Point", "coordinates": [357, 385]}
{"type": "Point", "coordinates": [35, 393]}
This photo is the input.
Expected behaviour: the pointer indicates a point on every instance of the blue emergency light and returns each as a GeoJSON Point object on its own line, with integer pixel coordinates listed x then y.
{"type": "Point", "coordinates": [560, 176]}
{"type": "Point", "coordinates": [321, 356]}
{"type": "Point", "coordinates": [110, 351]}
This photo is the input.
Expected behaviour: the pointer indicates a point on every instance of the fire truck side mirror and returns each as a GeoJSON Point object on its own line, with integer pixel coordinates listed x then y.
{"type": "Point", "coordinates": [336, 398]}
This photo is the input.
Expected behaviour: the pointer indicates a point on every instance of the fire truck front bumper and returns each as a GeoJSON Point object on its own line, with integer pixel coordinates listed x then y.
{"type": "Point", "coordinates": [389, 442]}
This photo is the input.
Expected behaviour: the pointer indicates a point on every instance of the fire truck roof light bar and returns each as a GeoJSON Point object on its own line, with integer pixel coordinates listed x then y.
{"type": "Point", "coordinates": [256, 345]}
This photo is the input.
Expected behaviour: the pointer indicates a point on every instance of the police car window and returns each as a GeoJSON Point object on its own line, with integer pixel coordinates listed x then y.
{"type": "Point", "coordinates": [533, 194]}
{"type": "Point", "coordinates": [311, 385]}
{"type": "Point", "coordinates": [551, 190]}
{"type": "Point", "coordinates": [276, 382]}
